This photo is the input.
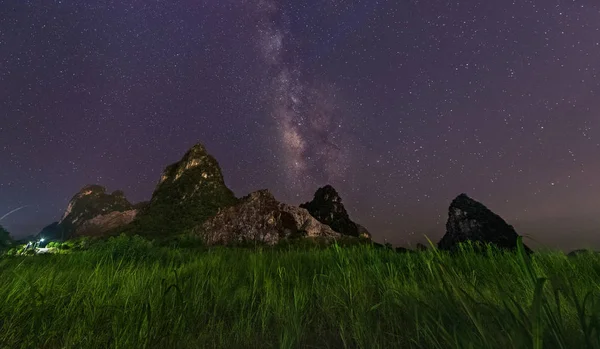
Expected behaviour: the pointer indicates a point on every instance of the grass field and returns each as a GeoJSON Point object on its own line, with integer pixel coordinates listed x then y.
{"type": "Point", "coordinates": [132, 294]}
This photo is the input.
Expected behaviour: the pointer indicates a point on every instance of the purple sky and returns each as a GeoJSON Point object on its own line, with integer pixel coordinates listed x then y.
{"type": "Point", "coordinates": [400, 105]}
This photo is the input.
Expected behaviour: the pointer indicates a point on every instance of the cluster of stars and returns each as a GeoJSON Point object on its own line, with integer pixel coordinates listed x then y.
{"type": "Point", "coordinates": [399, 105]}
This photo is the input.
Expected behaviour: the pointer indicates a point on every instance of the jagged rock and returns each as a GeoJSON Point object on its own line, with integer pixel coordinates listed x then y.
{"type": "Point", "coordinates": [189, 192]}
{"type": "Point", "coordinates": [328, 209]}
{"type": "Point", "coordinates": [259, 217]}
{"type": "Point", "coordinates": [103, 224]}
{"type": "Point", "coordinates": [469, 220]}
{"type": "Point", "coordinates": [86, 209]}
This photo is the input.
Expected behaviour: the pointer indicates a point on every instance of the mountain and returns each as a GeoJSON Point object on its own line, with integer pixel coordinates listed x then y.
{"type": "Point", "coordinates": [469, 220]}
{"type": "Point", "coordinates": [188, 193]}
{"type": "Point", "coordinates": [92, 211]}
{"type": "Point", "coordinates": [52, 232]}
{"type": "Point", "coordinates": [326, 206]}
{"type": "Point", "coordinates": [106, 224]}
{"type": "Point", "coordinates": [259, 217]}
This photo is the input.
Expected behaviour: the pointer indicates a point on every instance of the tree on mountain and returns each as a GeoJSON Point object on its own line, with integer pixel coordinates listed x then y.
{"type": "Point", "coordinates": [5, 238]}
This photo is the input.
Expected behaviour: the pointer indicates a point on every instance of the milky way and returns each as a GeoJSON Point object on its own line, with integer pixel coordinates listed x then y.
{"type": "Point", "coordinates": [306, 114]}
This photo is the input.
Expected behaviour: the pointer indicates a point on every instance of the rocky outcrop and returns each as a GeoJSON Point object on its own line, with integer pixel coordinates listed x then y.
{"type": "Point", "coordinates": [469, 220]}
{"type": "Point", "coordinates": [88, 209]}
{"type": "Point", "coordinates": [106, 223]}
{"type": "Point", "coordinates": [260, 218]}
{"type": "Point", "coordinates": [328, 209]}
{"type": "Point", "coordinates": [188, 193]}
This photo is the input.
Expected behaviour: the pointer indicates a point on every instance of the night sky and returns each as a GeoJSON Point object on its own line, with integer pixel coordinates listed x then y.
{"type": "Point", "coordinates": [400, 105]}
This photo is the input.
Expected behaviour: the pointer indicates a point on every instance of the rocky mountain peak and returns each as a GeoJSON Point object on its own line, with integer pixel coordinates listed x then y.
{"type": "Point", "coordinates": [189, 191]}
{"type": "Point", "coordinates": [91, 189]}
{"type": "Point", "coordinates": [195, 158]}
{"type": "Point", "coordinates": [92, 200]}
{"type": "Point", "coordinates": [262, 194]}
{"type": "Point", "coordinates": [328, 193]}
{"type": "Point", "coordinates": [86, 209]}
{"type": "Point", "coordinates": [328, 209]}
{"type": "Point", "coordinates": [469, 220]}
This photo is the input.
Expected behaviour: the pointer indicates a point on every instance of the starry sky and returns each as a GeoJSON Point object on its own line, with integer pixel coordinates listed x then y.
{"type": "Point", "coordinates": [400, 105]}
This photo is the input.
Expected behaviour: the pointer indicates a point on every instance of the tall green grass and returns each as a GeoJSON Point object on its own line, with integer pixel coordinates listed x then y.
{"type": "Point", "coordinates": [144, 296]}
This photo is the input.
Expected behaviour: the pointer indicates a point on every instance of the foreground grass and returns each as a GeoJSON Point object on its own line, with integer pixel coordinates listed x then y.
{"type": "Point", "coordinates": [355, 297]}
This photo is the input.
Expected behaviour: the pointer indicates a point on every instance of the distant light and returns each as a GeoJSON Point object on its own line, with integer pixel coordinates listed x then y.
{"type": "Point", "coordinates": [42, 240]}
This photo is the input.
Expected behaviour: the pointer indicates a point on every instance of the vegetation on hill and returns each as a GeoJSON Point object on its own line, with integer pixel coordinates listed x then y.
{"type": "Point", "coordinates": [190, 191]}
{"type": "Point", "coordinates": [6, 240]}
{"type": "Point", "coordinates": [130, 292]}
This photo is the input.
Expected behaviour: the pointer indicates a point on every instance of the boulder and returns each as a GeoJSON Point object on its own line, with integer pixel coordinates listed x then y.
{"type": "Point", "coordinates": [327, 208]}
{"type": "Point", "coordinates": [469, 220]}
{"type": "Point", "coordinates": [260, 218]}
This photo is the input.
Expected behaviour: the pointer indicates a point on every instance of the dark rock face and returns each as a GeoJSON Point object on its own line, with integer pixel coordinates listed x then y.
{"type": "Point", "coordinates": [106, 223]}
{"type": "Point", "coordinates": [189, 192]}
{"type": "Point", "coordinates": [85, 210]}
{"type": "Point", "coordinates": [469, 220]}
{"type": "Point", "coordinates": [328, 209]}
{"type": "Point", "coordinates": [52, 232]}
{"type": "Point", "coordinates": [259, 217]}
